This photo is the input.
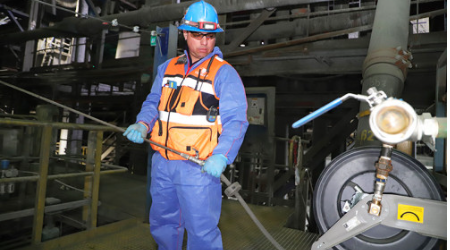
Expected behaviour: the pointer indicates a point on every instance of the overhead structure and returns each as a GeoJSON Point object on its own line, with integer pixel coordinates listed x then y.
{"type": "Point", "coordinates": [294, 57]}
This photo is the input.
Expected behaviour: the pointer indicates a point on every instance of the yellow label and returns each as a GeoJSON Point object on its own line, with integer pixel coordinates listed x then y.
{"type": "Point", "coordinates": [410, 213]}
{"type": "Point", "coordinates": [366, 135]}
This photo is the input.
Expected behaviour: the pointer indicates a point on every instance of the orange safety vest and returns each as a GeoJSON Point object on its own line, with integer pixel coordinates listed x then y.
{"type": "Point", "coordinates": [183, 107]}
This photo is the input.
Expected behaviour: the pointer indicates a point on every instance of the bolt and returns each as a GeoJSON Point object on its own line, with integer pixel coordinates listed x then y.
{"type": "Point", "coordinates": [374, 210]}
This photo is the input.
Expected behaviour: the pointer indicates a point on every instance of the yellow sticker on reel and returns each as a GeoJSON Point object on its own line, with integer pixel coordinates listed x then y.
{"type": "Point", "coordinates": [410, 213]}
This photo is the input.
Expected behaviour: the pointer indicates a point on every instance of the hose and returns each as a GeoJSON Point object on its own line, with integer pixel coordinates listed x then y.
{"type": "Point", "coordinates": [235, 186]}
{"type": "Point", "coordinates": [251, 214]}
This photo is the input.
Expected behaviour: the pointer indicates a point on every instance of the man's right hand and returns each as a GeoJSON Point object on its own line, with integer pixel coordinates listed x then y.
{"type": "Point", "coordinates": [136, 132]}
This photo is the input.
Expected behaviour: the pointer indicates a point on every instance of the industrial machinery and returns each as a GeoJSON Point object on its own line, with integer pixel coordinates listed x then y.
{"type": "Point", "coordinates": [380, 198]}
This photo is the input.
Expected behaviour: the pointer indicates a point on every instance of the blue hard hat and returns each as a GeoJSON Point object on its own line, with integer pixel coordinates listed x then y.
{"type": "Point", "coordinates": [200, 17]}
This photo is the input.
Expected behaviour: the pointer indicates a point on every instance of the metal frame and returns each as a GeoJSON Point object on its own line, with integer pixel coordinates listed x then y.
{"type": "Point", "coordinates": [92, 175]}
{"type": "Point", "coordinates": [358, 220]}
{"type": "Point", "coordinates": [249, 29]}
{"type": "Point", "coordinates": [256, 156]}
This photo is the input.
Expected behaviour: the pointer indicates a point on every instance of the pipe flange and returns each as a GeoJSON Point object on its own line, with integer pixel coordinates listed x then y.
{"type": "Point", "coordinates": [384, 58]}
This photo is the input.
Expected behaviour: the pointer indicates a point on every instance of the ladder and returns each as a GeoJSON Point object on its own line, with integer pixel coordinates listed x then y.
{"type": "Point", "coordinates": [56, 51]}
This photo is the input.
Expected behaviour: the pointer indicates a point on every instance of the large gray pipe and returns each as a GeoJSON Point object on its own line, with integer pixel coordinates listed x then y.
{"type": "Point", "coordinates": [303, 27]}
{"type": "Point", "coordinates": [387, 60]}
{"type": "Point", "coordinates": [143, 17]}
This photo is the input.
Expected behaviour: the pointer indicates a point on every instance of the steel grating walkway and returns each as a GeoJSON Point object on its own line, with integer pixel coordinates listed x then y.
{"type": "Point", "coordinates": [238, 232]}
{"type": "Point", "coordinates": [123, 198]}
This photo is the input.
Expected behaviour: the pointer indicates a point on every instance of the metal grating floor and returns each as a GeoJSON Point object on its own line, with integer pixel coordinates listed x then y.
{"type": "Point", "coordinates": [123, 198]}
{"type": "Point", "coordinates": [238, 232]}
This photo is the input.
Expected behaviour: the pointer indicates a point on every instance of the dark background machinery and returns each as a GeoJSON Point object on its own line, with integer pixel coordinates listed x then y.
{"type": "Point", "coordinates": [294, 56]}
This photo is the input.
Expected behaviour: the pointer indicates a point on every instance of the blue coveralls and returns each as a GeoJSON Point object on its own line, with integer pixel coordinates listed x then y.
{"type": "Point", "coordinates": [183, 196]}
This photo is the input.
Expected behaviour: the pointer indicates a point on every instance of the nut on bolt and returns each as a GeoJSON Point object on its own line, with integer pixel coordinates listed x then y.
{"type": "Point", "coordinates": [374, 209]}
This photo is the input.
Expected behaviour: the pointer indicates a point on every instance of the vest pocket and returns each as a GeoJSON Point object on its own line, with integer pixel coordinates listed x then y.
{"type": "Point", "coordinates": [191, 139]}
{"type": "Point", "coordinates": [158, 134]}
{"type": "Point", "coordinates": [187, 101]}
{"type": "Point", "coordinates": [165, 94]}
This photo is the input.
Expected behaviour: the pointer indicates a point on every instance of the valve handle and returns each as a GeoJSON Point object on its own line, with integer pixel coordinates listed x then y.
{"type": "Point", "coordinates": [375, 97]}
{"type": "Point", "coordinates": [317, 113]}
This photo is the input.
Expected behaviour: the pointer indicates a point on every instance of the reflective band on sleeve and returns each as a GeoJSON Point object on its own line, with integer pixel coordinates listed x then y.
{"type": "Point", "coordinates": [198, 120]}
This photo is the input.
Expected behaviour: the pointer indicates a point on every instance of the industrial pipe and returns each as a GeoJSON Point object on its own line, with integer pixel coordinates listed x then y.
{"type": "Point", "coordinates": [304, 27]}
{"type": "Point", "coordinates": [316, 25]}
{"type": "Point", "coordinates": [386, 64]}
{"type": "Point", "coordinates": [144, 17]}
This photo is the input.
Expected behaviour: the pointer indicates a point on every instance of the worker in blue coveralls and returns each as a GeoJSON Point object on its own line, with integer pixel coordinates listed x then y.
{"type": "Point", "coordinates": [197, 106]}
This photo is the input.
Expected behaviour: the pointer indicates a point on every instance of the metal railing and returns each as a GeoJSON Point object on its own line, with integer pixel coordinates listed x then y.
{"type": "Point", "coordinates": [93, 171]}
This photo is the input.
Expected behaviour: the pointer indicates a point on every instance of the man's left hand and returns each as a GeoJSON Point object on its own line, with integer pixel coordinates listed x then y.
{"type": "Point", "coordinates": [215, 165]}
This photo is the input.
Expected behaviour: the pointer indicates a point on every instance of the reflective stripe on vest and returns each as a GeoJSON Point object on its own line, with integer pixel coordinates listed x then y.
{"type": "Point", "coordinates": [184, 103]}
{"type": "Point", "coordinates": [197, 120]}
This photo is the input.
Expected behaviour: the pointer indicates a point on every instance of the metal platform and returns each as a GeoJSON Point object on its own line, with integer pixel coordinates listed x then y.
{"type": "Point", "coordinates": [238, 230]}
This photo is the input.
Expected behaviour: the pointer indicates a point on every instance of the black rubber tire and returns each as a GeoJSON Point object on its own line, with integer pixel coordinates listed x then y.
{"type": "Point", "coordinates": [408, 177]}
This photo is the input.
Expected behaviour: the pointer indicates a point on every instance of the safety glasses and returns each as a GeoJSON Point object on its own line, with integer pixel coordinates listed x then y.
{"type": "Point", "coordinates": [199, 36]}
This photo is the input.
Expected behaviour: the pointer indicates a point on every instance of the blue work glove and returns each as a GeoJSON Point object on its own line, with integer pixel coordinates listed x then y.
{"type": "Point", "coordinates": [136, 132]}
{"type": "Point", "coordinates": [215, 165]}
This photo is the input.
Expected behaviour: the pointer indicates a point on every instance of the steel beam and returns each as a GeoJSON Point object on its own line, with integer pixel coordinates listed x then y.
{"type": "Point", "coordinates": [41, 188]}
{"type": "Point", "coordinates": [14, 20]}
{"type": "Point", "coordinates": [298, 41]}
{"type": "Point", "coordinates": [237, 40]}
{"type": "Point", "coordinates": [92, 183]}
{"type": "Point", "coordinates": [48, 209]}
{"type": "Point", "coordinates": [340, 56]}
{"type": "Point", "coordinates": [29, 51]}
{"type": "Point", "coordinates": [17, 12]}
